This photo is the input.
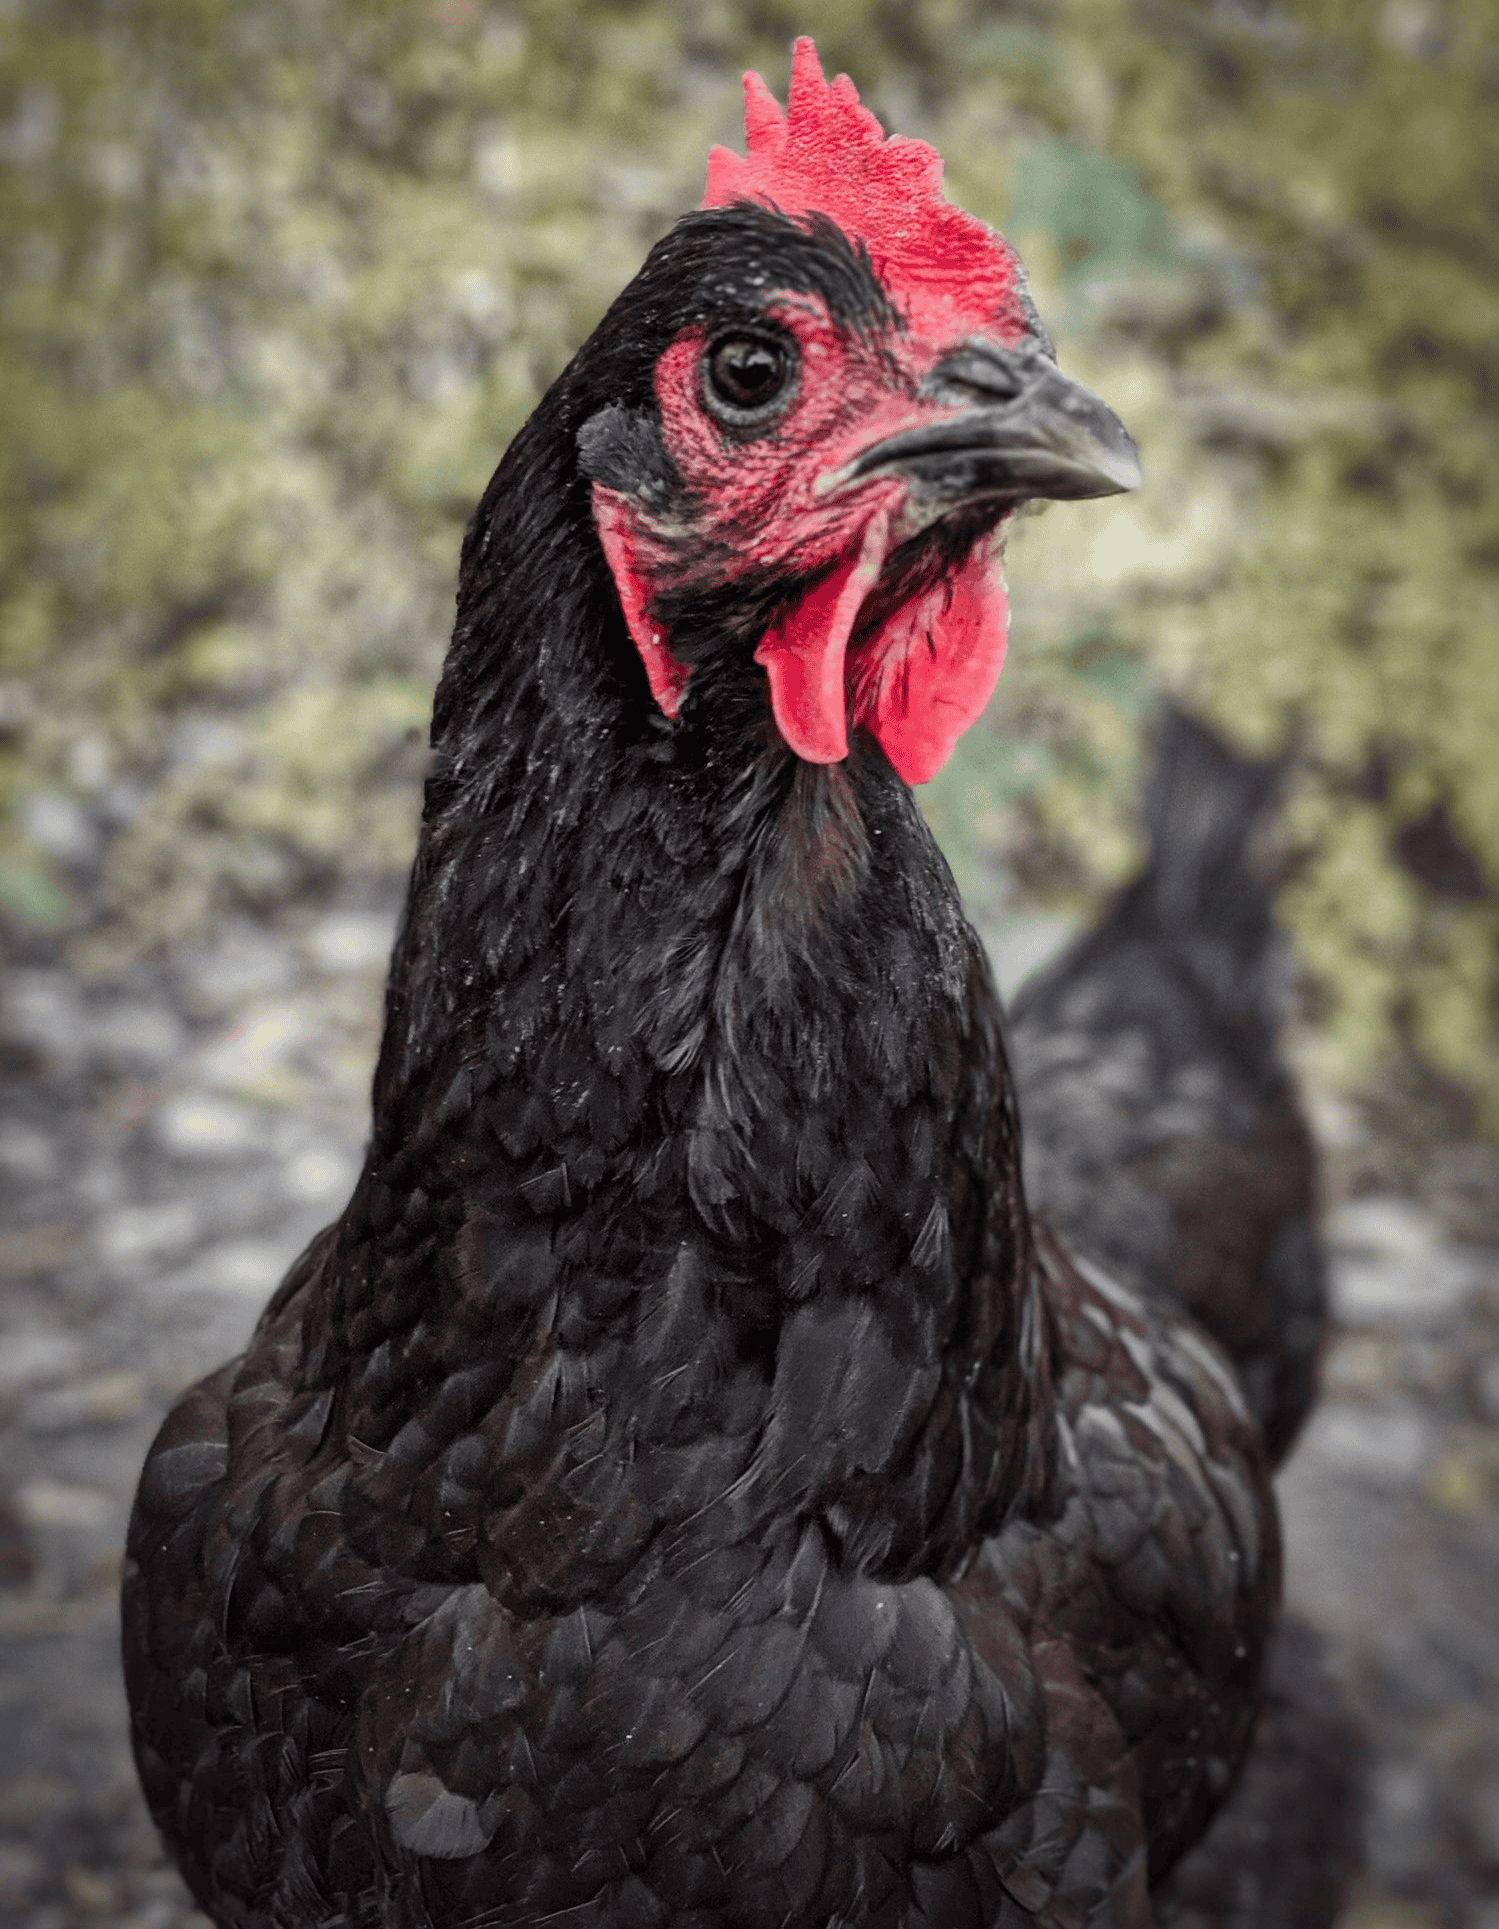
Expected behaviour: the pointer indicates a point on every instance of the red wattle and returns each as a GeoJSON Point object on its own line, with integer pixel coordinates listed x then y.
{"type": "Point", "coordinates": [917, 683]}
{"type": "Point", "coordinates": [804, 654]}
{"type": "Point", "coordinates": [928, 672]}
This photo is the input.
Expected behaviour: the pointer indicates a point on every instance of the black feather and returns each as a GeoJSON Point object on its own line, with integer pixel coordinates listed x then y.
{"type": "Point", "coordinates": [681, 1488]}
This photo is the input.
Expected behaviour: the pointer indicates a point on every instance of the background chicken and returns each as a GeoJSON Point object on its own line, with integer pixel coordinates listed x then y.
{"type": "Point", "coordinates": [1162, 1135]}
{"type": "Point", "coordinates": [680, 1488]}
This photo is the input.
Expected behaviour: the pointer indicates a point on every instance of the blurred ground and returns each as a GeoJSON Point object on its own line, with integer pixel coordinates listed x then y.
{"type": "Point", "coordinates": [168, 1142]}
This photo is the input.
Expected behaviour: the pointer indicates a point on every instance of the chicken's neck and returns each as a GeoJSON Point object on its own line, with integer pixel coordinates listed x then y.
{"type": "Point", "coordinates": [693, 1109]}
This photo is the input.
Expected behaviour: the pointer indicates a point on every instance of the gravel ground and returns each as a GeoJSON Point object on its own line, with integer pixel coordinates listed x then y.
{"type": "Point", "coordinates": [169, 1142]}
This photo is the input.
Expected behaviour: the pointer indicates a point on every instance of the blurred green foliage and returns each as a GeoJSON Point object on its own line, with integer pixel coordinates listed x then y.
{"type": "Point", "coordinates": [278, 279]}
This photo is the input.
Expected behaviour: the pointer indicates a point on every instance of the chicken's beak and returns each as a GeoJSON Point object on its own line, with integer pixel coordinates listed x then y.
{"type": "Point", "coordinates": [1020, 428]}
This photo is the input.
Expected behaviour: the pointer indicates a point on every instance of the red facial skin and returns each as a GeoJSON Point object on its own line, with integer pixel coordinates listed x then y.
{"type": "Point", "coordinates": [775, 502]}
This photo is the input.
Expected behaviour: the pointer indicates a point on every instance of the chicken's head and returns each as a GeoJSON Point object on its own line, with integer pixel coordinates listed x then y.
{"type": "Point", "coordinates": [849, 393]}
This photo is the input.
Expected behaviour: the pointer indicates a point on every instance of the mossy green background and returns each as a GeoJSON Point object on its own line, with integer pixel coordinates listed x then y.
{"type": "Point", "coordinates": [278, 280]}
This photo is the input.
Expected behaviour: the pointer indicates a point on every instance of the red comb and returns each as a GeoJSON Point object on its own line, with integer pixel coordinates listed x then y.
{"type": "Point", "coordinates": [827, 154]}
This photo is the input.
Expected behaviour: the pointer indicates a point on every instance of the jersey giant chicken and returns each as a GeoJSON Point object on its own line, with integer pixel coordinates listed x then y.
{"type": "Point", "coordinates": [684, 1488]}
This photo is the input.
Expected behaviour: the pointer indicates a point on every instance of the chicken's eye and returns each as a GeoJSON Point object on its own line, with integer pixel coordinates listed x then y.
{"type": "Point", "coordinates": [746, 378]}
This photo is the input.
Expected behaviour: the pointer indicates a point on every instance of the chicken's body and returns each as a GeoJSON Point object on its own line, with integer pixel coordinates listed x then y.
{"type": "Point", "coordinates": [681, 1489]}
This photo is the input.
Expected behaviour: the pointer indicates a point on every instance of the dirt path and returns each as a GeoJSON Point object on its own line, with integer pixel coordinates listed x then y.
{"type": "Point", "coordinates": [168, 1144]}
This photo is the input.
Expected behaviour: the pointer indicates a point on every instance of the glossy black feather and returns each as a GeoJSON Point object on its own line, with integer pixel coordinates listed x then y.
{"type": "Point", "coordinates": [681, 1489]}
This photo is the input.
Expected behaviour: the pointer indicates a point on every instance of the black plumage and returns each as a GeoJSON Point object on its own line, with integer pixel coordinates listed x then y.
{"type": "Point", "coordinates": [1162, 1132]}
{"type": "Point", "coordinates": [684, 1487]}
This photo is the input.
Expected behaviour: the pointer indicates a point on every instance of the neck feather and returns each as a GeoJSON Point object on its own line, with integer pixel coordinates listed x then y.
{"type": "Point", "coordinates": [693, 1094]}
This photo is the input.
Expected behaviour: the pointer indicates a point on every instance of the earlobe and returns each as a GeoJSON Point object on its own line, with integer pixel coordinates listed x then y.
{"type": "Point", "coordinates": [619, 534]}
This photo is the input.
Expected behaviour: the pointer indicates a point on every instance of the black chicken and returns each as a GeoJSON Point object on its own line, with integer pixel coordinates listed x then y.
{"type": "Point", "coordinates": [1162, 1136]}
{"type": "Point", "coordinates": [683, 1488]}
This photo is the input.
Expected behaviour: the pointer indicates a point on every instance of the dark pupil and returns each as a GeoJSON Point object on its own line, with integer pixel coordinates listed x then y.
{"type": "Point", "coordinates": [747, 373]}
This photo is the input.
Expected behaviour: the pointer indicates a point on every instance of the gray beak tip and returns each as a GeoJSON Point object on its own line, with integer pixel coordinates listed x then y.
{"type": "Point", "coordinates": [1119, 472]}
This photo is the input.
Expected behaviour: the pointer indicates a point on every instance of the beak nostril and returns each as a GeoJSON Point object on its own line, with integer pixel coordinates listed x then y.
{"type": "Point", "coordinates": [1020, 428]}
{"type": "Point", "coordinates": [961, 377]}
{"type": "Point", "coordinates": [984, 369]}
